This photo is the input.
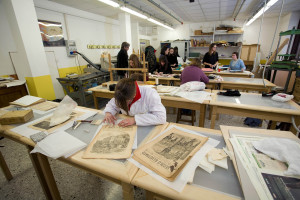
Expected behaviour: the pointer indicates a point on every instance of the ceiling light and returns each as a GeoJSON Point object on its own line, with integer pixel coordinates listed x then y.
{"type": "Point", "coordinates": [261, 11]}
{"type": "Point", "coordinates": [133, 12]}
{"type": "Point", "coordinates": [111, 3]}
{"type": "Point", "coordinates": [161, 24]}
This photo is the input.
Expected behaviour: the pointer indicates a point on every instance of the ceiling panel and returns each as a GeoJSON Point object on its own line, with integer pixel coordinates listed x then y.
{"type": "Point", "coordinates": [214, 10]}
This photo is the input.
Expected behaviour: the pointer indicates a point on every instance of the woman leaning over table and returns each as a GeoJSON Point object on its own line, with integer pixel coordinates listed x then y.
{"type": "Point", "coordinates": [193, 72]}
{"type": "Point", "coordinates": [211, 58]}
{"type": "Point", "coordinates": [141, 102]}
{"type": "Point", "coordinates": [236, 63]}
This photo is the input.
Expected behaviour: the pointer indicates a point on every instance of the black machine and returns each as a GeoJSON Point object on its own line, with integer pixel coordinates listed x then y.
{"type": "Point", "coordinates": [76, 86]}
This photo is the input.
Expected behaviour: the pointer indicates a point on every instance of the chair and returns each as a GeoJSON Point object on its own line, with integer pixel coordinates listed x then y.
{"type": "Point", "coordinates": [180, 114]}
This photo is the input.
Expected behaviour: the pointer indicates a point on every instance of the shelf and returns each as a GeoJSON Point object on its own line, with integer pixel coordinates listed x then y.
{"type": "Point", "coordinates": [201, 35]}
{"type": "Point", "coordinates": [290, 32]}
{"type": "Point", "coordinates": [228, 33]}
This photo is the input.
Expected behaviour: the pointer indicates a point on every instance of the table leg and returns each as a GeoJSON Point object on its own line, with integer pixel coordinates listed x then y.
{"type": "Point", "coordinates": [213, 116]}
{"type": "Point", "coordinates": [44, 173]}
{"type": "Point", "coordinates": [128, 191]}
{"type": "Point", "coordinates": [5, 168]}
{"type": "Point", "coordinates": [153, 196]}
{"type": "Point", "coordinates": [202, 115]}
{"type": "Point", "coordinates": [287, 81]}
{"type": "Point", "coordinates": [297, 122]}
{"type": "Point", "coordinates": [95, 101]}
{"type": "Point", "coordinates": [274, 75]}
{"type": "Point", "coordinates": [273, 125]}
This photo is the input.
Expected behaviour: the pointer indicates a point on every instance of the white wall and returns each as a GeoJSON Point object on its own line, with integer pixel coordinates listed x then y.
{"type": "Point", "coordinates": [250, 35]}
{"type": "Point", "coordinates": [83, 27]}
{"type": "Point", "coordinates": [7, 44]}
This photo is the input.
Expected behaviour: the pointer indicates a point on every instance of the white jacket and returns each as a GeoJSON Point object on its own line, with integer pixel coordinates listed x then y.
{"type": "Point", "coordinates": [148, 110]}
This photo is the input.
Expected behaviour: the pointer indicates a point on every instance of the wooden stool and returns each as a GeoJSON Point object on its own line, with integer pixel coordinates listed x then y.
{"type": "Point", "coordinates": [193, 116]}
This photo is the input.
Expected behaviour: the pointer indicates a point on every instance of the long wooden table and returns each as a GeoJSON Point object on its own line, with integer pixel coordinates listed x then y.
{"type": "Point", "coordinates": [224, 73]}
{"type": "Point", "coordinates": [168, 101]}
{"type": "Point", "coordinates": [246, 84]}
{"type": "Point", "coordinates": [255, 106]}
{"type": "Point", "coordinates": [118, 172]}
{"type": "Point", "coordinates": [157, 190]}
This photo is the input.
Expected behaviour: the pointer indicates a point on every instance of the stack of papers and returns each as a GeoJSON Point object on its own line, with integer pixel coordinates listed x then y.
{"type": "Point", "coordinates": [27, 101]}
{"type": "Point", "coordinates": [188, 171]}
{"type": "Point", "coordinates": [261, 176]}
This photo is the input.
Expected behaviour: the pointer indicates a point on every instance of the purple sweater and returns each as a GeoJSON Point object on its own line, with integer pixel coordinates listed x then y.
{"type": "Point", "coordinates": [193, 73]}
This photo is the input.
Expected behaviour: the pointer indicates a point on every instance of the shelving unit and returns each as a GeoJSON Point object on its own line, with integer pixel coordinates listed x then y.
{"type": "Point", "coordinates": [213, 38]}
{"type": "Point", "coordinates": [286, 63]}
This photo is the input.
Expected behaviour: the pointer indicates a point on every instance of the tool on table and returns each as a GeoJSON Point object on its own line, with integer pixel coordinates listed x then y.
{"type": "Point", "coordinates": [93, 122]}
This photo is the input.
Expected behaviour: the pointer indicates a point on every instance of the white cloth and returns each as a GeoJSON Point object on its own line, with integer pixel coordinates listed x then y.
{"type": "Point", "coordinates": [285, 150]}
{"type": "Point", "coordinates": [282, 97]}
{"type": "Point", "coordinates": [193, 86]}
{"type": "Point", "coordinates": [148, 110]}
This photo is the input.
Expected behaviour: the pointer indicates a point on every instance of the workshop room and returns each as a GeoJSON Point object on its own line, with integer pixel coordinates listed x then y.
{"type": "Point", "coordinates": [150, 99]}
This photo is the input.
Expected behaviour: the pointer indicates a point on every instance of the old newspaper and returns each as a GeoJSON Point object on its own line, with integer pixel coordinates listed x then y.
{"type": "Point", "coordinates": [112, 143]}
{"type": "Point", "coordinates": [169, 153]}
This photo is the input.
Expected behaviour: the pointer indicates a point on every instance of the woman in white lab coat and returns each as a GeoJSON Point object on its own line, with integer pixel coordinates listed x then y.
{"type": "Point", "coordinates": [142, 102]}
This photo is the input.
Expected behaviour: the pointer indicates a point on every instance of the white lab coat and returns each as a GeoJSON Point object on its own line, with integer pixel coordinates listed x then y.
{"type": "Point", "coordinates": [148, 110]}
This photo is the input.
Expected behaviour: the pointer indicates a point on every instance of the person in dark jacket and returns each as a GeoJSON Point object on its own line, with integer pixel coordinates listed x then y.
{"type": "Point", "coordinates": [164, 51]}
{"type": "Point", "coordinates": [176, 51]}
{"type": "Point", "coordinates": [172, 58]}
{"type": "Point", "coordinates": [211, 58]}
{"type": "Point", "coordinates": [150, 58]}
{"type": "Point", "coordinates": [122, 59]}
{"type": "Point", "coordinates": [163, 66]}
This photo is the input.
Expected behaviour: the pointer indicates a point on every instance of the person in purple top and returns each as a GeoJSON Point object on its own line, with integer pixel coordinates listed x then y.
{"type": "Point", "coordinates": [193, 72]}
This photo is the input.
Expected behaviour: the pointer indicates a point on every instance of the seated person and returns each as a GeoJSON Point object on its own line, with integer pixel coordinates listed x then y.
{"type": "Point", "coordinates": [163, 66]}
{"type": "Point", "coordinates": [134, 61]}
{"type": "Point", "coordinates": [172, 58]}
{"type": "Point", "coordinates": [139, 77]}
{"type": "Point", "coordinates": [142, 102]}
{"type": "Point", "coordinates": [193, 72]}
{"type": "Point", "coordinates": [236, 64]}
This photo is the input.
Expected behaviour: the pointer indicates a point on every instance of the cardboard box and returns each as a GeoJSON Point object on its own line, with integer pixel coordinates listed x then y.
{"type": "Point", "coordinates": [198, 32]}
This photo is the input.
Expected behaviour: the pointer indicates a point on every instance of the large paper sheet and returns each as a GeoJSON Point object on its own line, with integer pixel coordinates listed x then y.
{"type": "Point", "coordinates": [24, 130]}
{"type": "Point", "coordinates": [185, 174]}
{"type": "Point", "coordinates": [58, 144]}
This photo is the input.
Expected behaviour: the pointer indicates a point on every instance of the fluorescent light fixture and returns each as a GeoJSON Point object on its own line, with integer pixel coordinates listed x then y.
{"type": "Point", "coordinates": [111, 3]}
{"type": "Point", "coordinates": [133, 12]}
{"type": "Point", "coordinates": [159, 23]}
{"type": "Point", "coordinates": [260, 12]}
{"type": "Point", "coordinates": [59, 25]}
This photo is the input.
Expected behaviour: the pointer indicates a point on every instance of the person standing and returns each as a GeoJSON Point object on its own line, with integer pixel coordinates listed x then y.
{"type": "Point", "coordinates": [211, 58]}
{"type": "Point", "coordinates": [172, 58]}
{"type": "Point", "coordinates": [122, 59]}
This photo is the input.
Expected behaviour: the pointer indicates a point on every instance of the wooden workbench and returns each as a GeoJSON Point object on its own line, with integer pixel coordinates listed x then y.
{"type": "Point", "coordinates": [255, 106]}
{"type": "Point", "coordinates": [246, 84]}
{"type": "Point", "coordinates": [116, 171]}
{"type": "Point", "coordinates": [223, 73]}
{"type": "Point", "coordinates": [168, 101]}
{"type": "Point", "coordinates": [157, 190]}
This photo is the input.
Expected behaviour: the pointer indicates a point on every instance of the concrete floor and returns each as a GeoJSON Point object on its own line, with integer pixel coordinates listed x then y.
{"type": "Point", "coordinates": [72, 183]}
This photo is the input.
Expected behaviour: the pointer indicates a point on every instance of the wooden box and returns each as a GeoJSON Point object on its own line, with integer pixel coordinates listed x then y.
{"type": "Point", "coordinates": [16, 117]}
{"type": "Point", "coordinates": [198, 32]}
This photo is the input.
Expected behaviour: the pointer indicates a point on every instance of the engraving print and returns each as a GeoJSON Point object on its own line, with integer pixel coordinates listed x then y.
{"type": "Point", "coordinates": [111, 144]}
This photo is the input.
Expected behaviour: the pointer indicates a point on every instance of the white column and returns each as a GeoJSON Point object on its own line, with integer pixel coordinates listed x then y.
{"type": "Point", "coordinates": [125, 29]}
{"type": "Point", "coordinates": [30, 60]}
{"type": "Point", "coordinates": [30, 51]}
{"type": "Point", "coordinates": [135, 36]}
